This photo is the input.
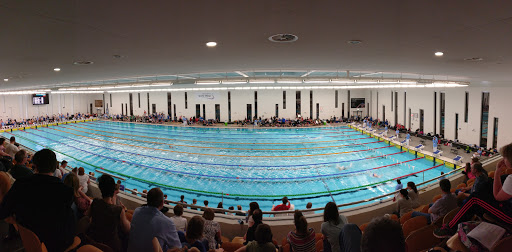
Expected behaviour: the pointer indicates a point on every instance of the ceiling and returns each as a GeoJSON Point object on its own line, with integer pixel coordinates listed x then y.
{"type": "Point", "coordinates": [168, 37]}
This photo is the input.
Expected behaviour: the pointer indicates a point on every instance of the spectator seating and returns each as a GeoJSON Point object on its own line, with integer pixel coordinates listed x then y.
{"type": "Point", "coordinates": [88, 248]}
{"type": "Point", "coordinates": [422, 238]}
{"type": "Point", "coordinates": [405, 217]}
{"type": "Point", "coordinates": [231, 246]}
{"type": "Point", "coordinates": [449, 216]}
{"type": "Point", "coordinates": [414, 224]}
{"type": "Point", "coordinates": [156, 245]}
{"type": "Point", "coordinates": [31, 242]}
{"type": "Point", "coordinates": [436, 198]}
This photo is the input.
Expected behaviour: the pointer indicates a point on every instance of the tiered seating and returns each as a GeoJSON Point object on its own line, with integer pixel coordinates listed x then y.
{"type": "Point", "coordinates": [421, 239]}
{"type": "Point", "coordinates": [414, 224]}
{"type": "Point", "coordinates": [405, 218]}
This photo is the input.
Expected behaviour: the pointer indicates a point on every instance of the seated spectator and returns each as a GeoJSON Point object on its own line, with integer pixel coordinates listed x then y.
{"type": "Point", "coordinates": [467, 173]}
{"type": "Point", "coordinates": [220, 206]}
{"type": "Point", "coordinates": [303, 239]}
{"type": "Point", "coordinates": [480, 184]}
{"type": "Point", "coordinates": [106, 217]}
{"type": "Point", "coordinates": [256, 219]}
{"type": "Point", "coordinates": [211, 229]}
{"type": "Point", "coordinates": [205, 203]}
{"type": "Point", "coordinates": [19, 170]}
{"type": "Point", "coordinates": [309, 206]}
{"type": "Point", "coordinates": [252, 206]}
{"type": "Point", "coordinates": [53, 222]}
{"type": "Point", "coordinates": [182, 199]}
{"type": "Point", "coordinates": [350, 238]}
{"type": "Point", "coordinates": [2, 148]}
{"type": "Point", "coordinates": [413, 194]}
{"type": "Point", "coordinates": [81, 200]}
{"type": "Point", "coordinates": [383, 235]}
{"type": "Point", "coordinates": [404, 203]}
{"type": "Point", "coordinates": [63, 166]}
{"type": "Point", "coordinates": [442, 206]}
{"type": "Point", "coordinates": [10, 148]}
{"type": "Point", "coordinates": [179, 221]}
{"type": "Point", "coordinates": [231, 208]}
{"type": "Point", "coordinates": [194, 235]}
{"type": "Point", "coordinates": [149, 222]}
{"type": "Point", "coordinates": [399, 185]}
{"type": "Point", "coordinates": [116, 199]}
{"type": "Point", "coordinates": [332, 225]}
{"type": "Point", "coordinates": [239, 208]}
{"type": "Point", "coordinates": [262, 241]}
{"type": "Point", "coordinates": [499, 206]}
{"type": "Point", "coordinates": [84, 179]}
{"type": "Point", "coordinates": [282, 207]}
{"type": "Point", "coordinates": [194, 202]}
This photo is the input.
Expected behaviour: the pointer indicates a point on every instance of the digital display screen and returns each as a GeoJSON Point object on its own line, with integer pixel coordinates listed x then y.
{"type": "Point", "coordinates": [40, 99]}
{"type": "Point", "coordinates": [357, 102]}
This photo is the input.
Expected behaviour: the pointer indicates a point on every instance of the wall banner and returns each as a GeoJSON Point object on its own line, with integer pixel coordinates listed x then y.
{"type": "Point", "coordinates": [206, 96]}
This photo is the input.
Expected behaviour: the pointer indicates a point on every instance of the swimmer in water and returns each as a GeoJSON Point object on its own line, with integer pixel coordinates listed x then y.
{"type": "Point", "coordinates": [340, 167]}
{"type": "Point", "coordinates": [375, 175]}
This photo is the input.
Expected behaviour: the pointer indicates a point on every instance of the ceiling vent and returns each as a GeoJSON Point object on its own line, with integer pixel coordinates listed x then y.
{"type": "Point", "coordinates": [473, 59]}
{"type": "Point", "coordinates": [283, 38]}
{"type": "Point", "coordinates": [81, 63]}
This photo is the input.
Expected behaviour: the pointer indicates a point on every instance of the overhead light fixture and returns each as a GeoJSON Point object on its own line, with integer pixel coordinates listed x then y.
{"type": "Point", "coordinates": [235, 82]}
{"type": "Point", "coordinates": [161, 84]}
{"type": "Point", "coordinates": [207, 82]}
{"type": "Point", "coordinates": [242, 73]}
{"type": "Point", "coordinates": [290, 81]}
{"type": "Point", "coordinates": [262, 81]}
{"type": "Point", "coordinates": [56, 69]}
{"type": "Point", "coordinates": [25, 92]}
{"type": "Point", "coordinates": [77, 92]}
{"type": "Point", "coordinates": [6, 79]}
{"type": "Point", "coordinates": [342, 81]}
{"type": "Point", "coordinates": [317, 81]}
{"type": "Point", "coordinates": [211, 44]}
{"type": "Point", "coordinates": [439, 54]}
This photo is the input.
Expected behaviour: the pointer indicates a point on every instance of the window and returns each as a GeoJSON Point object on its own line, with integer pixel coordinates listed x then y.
{"type": "Point", "coordinates": [435, 113]}
{"type": "Point", "coordinates": [348, 100]}
{"type": "Point", "coordinates": [149, 111]}
{"type": "Point", "coordinates": [169, 104]}
{"type": "Point", "coordinates": [297, 103]}
{"type": "Point", "coordinates": [277, 110]}
{"type": "Point", "coordinates": [186, 102]}
{"type": "Point", "coordinates": [392, 101]}
{"type": "Point", "coordinates": [284, 99]}
{"type": "Point", "coordinates": [442, 104]}
{"type": "Point", "coordinates": [495, 133]}
{"type": "Point", "coordinates": [311, 104]}
{"type": "Point", "coordinates": [139, 98]}
{"type": "Point", "coordinates": [484, 120]}
{"type": "Point", "coordinates": [110, 100]}
{"type": "Point", "coordinates": [256, 104]}
{"type": "Point", "coordinates": [229, 106]}
{"type": "Point", "coordinates": [336, 99]}
{"type": "Point", "coordinates": [131, 103]}
{"type": "Point", "coordinates": [466, 100]}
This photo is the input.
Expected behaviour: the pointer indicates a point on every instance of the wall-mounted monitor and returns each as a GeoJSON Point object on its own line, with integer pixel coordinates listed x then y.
{"type": "Point", "coordinates": [357, 102]}
{"type": "Point", "coordinates": [40, 99]}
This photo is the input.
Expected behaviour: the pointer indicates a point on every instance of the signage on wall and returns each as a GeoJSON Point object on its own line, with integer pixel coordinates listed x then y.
{"type": "Point", "coordinates": [204, 96]}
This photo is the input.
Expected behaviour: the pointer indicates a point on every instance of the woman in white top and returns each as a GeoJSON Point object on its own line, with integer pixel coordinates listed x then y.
{"type": "Point", "coordinates": [413, 194]}
{"type": "Point", "coordinates": [179, 221]}
{"type": "Point", "coordinates": [84, 179]}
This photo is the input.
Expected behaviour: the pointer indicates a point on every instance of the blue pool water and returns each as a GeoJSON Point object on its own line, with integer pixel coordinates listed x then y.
{"type": "Point", "coordinates": [236, 166]}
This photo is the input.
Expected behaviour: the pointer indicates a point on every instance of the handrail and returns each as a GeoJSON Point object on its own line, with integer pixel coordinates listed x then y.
{"type": "Point", "coordinates": [112, 175]}
{"type": "Point", "coordinates": [43, 123]}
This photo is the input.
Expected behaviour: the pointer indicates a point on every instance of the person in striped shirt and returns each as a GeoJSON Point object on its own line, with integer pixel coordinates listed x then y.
{"type": "Point", "coordinates": [302, 239]}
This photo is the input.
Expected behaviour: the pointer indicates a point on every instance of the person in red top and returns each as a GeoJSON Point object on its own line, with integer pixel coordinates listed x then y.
{"type": "Point", "coordinates": [283, 207]}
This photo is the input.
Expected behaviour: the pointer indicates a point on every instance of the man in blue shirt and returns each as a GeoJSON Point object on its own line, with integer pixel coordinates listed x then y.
{"type": "Point", "coordinates": [407, 139]}
{"type": "Point", "coordinates": [386, 131]}
{"type": "Point", "coordinates": [434, 143]}
{"type": "Point", "coordinates": [397, 133]}
{"type": "Point", "coordinates": [149, 222]}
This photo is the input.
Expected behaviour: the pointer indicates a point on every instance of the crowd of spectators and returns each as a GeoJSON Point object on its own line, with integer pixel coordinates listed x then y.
{"type": "Point", "coordinates": [40, 120]}
{"type": "Point", "coordinates": [61, 201]}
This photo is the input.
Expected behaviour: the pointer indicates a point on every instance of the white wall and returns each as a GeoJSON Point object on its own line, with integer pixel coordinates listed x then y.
{"type": "Point", "coordinates": [469, 132]}
{"type": "Point", "coordinates": [267, 100]}
{"type": "Point", "coordinates": [20, 106]}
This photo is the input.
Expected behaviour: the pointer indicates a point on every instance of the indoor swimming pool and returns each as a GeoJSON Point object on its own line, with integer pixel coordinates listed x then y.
{"type": "Point", "coordinates": [236, 165]}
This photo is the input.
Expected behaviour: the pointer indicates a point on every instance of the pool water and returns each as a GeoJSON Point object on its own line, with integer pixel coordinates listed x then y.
{"type": "Point", "coordinates": [236, 166]}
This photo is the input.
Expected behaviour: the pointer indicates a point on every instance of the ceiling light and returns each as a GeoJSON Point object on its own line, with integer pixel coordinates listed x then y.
{"type": "Point", "coordinates": [207, 82]}
{"type": "Point", "coordinates": [211, 44]}
{"type": "Point", "coordinates": [261, 81]}
{"type": "Point", "coordinates": [439, 54]}
{"type": "Point", "coordinates": [6, 79]}
{"type": "Point", "coordinates": [289, 81]}
{"type": "Point", "coordinates": [161, 84]}
{"type": "Point", "coordinates": [234, 82]}
{"type": "Point", "coordinates": [56, 69]}
{"type": "Point", "coordinates": [341, 81]}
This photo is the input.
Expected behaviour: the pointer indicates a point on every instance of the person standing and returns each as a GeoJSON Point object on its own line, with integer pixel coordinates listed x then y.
{"type": "Point", "coordinates": [407, 139]}
{"type": "Point", "coordinates": [434, 143]}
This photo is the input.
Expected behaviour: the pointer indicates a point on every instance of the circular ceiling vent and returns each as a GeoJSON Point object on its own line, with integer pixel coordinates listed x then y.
{"type": "Point", "coordinates": [354, 42]}
{"type": "Point", "coordinates": [81, 63]}
{"type": "Point", "coordinates": [474, 59]}
{"type": "Point", "coordinates": [283, 38]}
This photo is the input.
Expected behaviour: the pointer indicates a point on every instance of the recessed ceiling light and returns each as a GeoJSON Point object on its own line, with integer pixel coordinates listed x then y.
{"type": "Point", "coordinates": [474, 59]}
{"type": "Point", "coordinates": [354, 42]}
{"type": "Point", "coordinates": [439, 54]}
{"type": "Point", "coordinates": [56, 69]}
{"type": "Point", "coordinates": [6, 79]}
{"type": "Point", "coordinates": [211, 44]}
